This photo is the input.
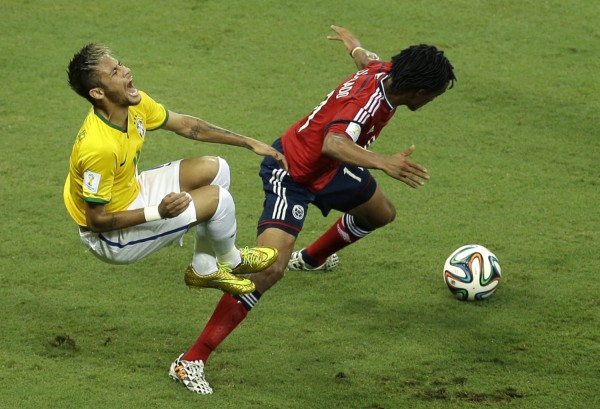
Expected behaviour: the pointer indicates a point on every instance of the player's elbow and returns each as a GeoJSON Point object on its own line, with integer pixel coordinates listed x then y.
{"type": "Point", "coordinates": [96, 228]}
{"type": "Point", "coordinates": [94, 224]}
{"type": "Point", "coordinates": [331, 145]}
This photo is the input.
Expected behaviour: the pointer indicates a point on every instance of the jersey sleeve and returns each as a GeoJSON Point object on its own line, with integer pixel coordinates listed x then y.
{"type": "Point", "coordinates": [156, 114]}
{"type": "Point", "coordinates": [348, 121]}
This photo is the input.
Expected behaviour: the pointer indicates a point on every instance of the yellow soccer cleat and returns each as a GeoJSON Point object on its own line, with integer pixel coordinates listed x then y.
{"type": "Point", "coordinates": [221, 279]}
{"type": "Point", "coordinates": [255, 259]}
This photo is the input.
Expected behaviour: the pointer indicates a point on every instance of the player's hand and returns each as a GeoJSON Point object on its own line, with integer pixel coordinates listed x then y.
{"type": "Point", "coordinates": [345, 36]}
{"type": "Point", "coordinates": [265, 150]}
{"type": "Point", "coordinates": [174, 204]}
{"type": "Point", "coordinates": [400, 167]}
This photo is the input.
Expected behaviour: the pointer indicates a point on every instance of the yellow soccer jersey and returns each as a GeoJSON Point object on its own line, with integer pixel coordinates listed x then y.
{"type": "Point", "coordinates": [103, 164]}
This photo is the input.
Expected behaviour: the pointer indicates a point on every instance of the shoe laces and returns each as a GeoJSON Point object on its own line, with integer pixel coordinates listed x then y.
{"type": "Point", "coordinates": [250, 257]}
{"type": "Point", "coordinates": [224, 267]}
{"type": "Point", "coordinates": [194, 369]}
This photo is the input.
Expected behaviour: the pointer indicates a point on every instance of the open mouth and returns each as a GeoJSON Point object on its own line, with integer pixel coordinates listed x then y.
{"type": "Point", "coordinates": [131, 90]}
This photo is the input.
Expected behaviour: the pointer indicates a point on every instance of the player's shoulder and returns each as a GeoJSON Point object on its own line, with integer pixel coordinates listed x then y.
{"type": "Point", "coordinates": [147, 105]}
{"type": "Point", "coordinates": [377, 66]}
{"type": "Point", "coordinates": [147, 100]}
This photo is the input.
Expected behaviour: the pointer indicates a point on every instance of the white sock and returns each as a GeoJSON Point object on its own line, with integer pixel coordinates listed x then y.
{"type": "Point", "coordinates": [221, 230]}
{"type": "Point", "coordinates": [204, 261]}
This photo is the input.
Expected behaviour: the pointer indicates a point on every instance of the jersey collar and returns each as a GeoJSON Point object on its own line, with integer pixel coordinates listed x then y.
{"type": "Point", "coordinates": [381, 78]}
{"type": "Point", "coordinates": [107, 122]}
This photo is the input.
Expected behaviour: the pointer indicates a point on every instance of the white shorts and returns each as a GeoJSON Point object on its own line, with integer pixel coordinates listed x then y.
{"type": "Point", "coordinates": [130, 244]}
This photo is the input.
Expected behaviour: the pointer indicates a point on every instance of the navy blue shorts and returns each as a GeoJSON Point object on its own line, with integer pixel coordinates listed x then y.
{"type": "Point", "coordinates": [286, 202]}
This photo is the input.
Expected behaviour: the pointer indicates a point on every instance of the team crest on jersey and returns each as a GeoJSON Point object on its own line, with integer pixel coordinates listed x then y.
{"type": "Point", "coordinates": [91, 181]}
{"type": "Point", "coordinates": [298, 212]}
{"type": "Point", "coordinates": [139, 125]}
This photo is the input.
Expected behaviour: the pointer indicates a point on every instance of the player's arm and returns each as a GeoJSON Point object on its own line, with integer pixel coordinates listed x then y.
{"type": "Point", "coordinates": [361, 56]}
{"type": "Point", "coordinates": [98, 219]}
{"type": "Point", "coordinates": [398, 166]}
{"type": "Point", "coordinates": [199, 130]}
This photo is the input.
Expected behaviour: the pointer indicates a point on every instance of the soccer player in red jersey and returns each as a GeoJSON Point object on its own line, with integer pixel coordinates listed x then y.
{"type": "Point", "coordinates": [329, 162]}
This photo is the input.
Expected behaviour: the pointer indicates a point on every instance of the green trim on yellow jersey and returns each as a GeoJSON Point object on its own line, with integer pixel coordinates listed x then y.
{"type": "Point", "coordinates": [107, 122]}
{"type": "Point", "coordinates": [164, 122]}
{"type": "Point", "coordinates": [94, 200]}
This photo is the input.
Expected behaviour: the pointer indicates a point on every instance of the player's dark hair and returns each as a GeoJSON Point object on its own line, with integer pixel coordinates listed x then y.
{"type": "Point", "coordinates": [82, 72]}
{"type": "Point", "coordinates": [421, 67]}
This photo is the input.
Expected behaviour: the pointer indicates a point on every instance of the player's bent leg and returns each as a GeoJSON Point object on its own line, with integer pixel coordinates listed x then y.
{"type": "Point", "coordinates": [284, 243]}
{"type": "Point", "coordinates": [355, 224]}
{"type": "Point", "coordinates": [375, 213]}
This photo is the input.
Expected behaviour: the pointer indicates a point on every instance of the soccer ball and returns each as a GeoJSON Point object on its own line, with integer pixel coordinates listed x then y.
{"type": "Point", "coordinates": [472, 272]}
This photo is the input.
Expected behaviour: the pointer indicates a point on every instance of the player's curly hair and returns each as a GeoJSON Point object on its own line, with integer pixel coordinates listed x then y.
{"type": "Point", "coordinates": [421, 67]}
{"type": "Point", "coordinates": [82, 72]}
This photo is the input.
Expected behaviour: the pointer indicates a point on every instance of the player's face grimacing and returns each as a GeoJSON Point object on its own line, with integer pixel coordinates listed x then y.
{"type": "Point", "coordinates": [117, 82]}
{"type": "Point", "coordinates": [421, 98]}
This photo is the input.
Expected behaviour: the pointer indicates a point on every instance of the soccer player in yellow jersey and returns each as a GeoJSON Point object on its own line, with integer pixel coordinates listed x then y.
{"type": "Point", "coordinates": [124, 215]}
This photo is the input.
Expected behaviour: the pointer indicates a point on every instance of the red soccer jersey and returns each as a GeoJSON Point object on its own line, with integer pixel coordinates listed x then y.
{"type": "Point", "coordinates": [357, 108]}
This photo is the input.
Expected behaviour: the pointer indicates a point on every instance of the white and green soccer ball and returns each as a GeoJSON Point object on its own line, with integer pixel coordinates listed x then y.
{"type": "Point", "coordinates": [472, 272]}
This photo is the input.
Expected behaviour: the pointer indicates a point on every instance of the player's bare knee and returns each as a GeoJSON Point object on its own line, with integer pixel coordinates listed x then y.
{"type": "Point", "coordinates": [375, 220]}
{"type": "Point", "coordinates": [386, 214]}
{"type": "Point", "coordinates": [197, 172]}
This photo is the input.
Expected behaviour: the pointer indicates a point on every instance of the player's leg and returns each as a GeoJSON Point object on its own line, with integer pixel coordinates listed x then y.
{"type": "Point", "coordinates": [214, 171]}
{"type": "Point", "coordinates": [216, 234]}
{"type": "Point", "coordinates": [375, 213]}
{"type": "Point", "coordinates": [233, 309]}
{"type": "Point", "coordinates": [196, 173]}
{"type": "Point", "coordinates": [281, 221]}
{"type": "Point", "coordinates": [365, 207]}
{"type": "Point", "coordinates": [128, 245]}
{"type": "Point", "coordinates": [284, 243]}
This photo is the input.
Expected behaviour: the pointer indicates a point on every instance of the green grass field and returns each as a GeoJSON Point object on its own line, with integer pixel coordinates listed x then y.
{"type": "Point", "coordinates": [512, 151]}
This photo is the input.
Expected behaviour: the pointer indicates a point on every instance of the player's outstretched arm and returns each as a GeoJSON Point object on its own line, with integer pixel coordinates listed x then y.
{"type": "Point", "coordinates": [198, 129]}
{"type": "Point", "coordinates": [361, 56]}
{"type": "Point", "coordinates": [398, 166]}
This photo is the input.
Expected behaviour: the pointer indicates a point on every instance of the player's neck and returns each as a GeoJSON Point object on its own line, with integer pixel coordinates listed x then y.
{"type": "Point", "coordinates": [394, 99]}
{"type": "Point", "coordinates": [114, 114]}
